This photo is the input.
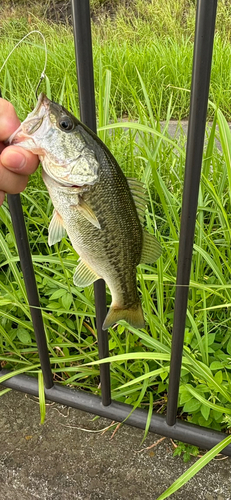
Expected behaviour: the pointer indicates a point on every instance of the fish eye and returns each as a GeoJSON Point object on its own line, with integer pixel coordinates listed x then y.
{"type": "Point", "coordinates": [66, 123]}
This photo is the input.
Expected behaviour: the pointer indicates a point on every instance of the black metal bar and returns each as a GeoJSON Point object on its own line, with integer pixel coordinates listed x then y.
{"type": "Point", "coordinates": [203, 47]}
{"type": "Point", "coordinates": [84, 61]}
{"type": "Point", "coordinates": [84, 64]}
{"type": "Point", "coordinates": [101, 311]}
{"type": "Point", "coordinates": [30, 283]}
{"type": "Point", "coordinates": [183, 431]}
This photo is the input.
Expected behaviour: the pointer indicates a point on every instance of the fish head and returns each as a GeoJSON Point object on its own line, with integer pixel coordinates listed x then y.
{"type": "Point", "coordinates": [55, 135]}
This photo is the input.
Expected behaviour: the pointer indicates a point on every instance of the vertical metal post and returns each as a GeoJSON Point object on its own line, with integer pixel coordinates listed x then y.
{"type": "Point", "coordinates": [203, 47]}
{"type": "Point", "coordinates": [84, 65]}
{"type": "Point", "coordinates": [30, 283]}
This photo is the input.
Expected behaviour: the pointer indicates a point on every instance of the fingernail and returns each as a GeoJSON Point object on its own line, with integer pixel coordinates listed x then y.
{"type": "Point", "coordinates": [13, 160]}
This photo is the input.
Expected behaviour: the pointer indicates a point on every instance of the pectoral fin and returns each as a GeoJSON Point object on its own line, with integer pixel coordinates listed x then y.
{"type": "Point", "coordinates": [56, 231]}
{"type": "Point", "coordinates": [88, 213]}
{"type": "Point", "coordinates": [151, 249]}
{"type": "Point", "coordinates": [84, 275]}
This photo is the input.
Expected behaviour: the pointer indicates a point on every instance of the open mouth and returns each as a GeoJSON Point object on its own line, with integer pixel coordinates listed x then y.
{"type": "Point", "coordinates": [12, 139]}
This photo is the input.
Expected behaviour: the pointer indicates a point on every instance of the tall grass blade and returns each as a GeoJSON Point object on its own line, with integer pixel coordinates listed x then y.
{"type": "Point", "coordinates": [225, 138]}
{"type": "Point", "coordinates": [195, 468]}
{"type": "Point", "coordinates": [42, 403]}
{"type": "Point", "coordinates": [149, 416]}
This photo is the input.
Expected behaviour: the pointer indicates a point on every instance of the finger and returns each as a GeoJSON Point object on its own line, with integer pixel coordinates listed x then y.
{"type": "Point", "coordinates": [2, 197]}
{"type": "Point", "coordinates": [9, 121]}
{"type": "Point", "coordinates": [10, 182]}
{"type": "Point", "coordinates": [19, 160]}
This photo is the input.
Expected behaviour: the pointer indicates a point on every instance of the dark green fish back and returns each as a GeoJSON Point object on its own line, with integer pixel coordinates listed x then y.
{"type": "Point", "coordinates": [120, 236]}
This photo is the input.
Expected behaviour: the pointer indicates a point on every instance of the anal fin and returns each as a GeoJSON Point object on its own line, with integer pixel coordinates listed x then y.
{"type": "Point", "coordinates": [84, 275]}
{"type": "Point", "coordinates": [151, 249]}
{"type": "Point", "coordinates": [139, 196]}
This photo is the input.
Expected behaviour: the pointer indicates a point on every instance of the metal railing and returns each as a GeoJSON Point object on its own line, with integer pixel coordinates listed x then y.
{"type": "Point", "coordinates": [103, 406]}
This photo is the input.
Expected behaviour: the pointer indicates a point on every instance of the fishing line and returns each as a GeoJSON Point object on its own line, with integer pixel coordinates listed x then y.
{"type": "Point", "coordinates": [43, 74]}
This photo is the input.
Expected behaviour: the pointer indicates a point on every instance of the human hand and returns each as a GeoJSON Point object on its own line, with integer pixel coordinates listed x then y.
{"type": "Point", "coordinates": [16, 164]}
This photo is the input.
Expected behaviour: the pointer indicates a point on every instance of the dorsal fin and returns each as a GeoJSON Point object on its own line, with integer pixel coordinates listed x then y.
{"type": "Point", "coordinates": [139, 195]}
{"type": "Point", "coordinates": [151, 249]}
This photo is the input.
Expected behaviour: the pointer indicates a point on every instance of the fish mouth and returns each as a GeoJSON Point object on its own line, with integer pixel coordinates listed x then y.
{"type": "Point", "coordinates": [31, 123]}
{"type": "Point", "coordinates": [42, 100]}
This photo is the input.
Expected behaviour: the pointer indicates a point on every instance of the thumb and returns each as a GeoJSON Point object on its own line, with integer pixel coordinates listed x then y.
{"type": "Point", "coordinates": [19, 160]}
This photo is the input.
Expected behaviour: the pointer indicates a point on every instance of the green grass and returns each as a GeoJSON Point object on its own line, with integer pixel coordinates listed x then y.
{"type": "Point", "coordinates": [154, 38]}
{"type": "Point", "coordinates": [139, 359]}
{"type": "Point", "coordinates": [138, 74]}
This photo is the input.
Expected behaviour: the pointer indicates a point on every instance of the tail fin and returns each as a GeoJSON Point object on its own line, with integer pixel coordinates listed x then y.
{"type": "Point", "coordinates": [134, 316]}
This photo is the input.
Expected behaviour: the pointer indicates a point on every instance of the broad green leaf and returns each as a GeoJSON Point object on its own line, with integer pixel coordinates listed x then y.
{"type": "Point", "coordinates": [185, 396]}
{"type": "Point", "coordinates": [191, 406]}
{"type": "Point", "coordinates": [218, 377]}
{"type": "Point", "coordinates": [67, 300]}
{"type": "Point", "coordinates": [24, 336]}
{"type": "Point", "coordinates": [58, 293]}
{"type": "Point", "coordinates": [205, 411]}
{"type": "Point", "coordinates": [112, 344]}
{"type": "Point", "coordinates": [208, 403]}
{"type": "Point", "coordinates": [229, 346]}
{"type": "Point", "coordinates": [216, 365]}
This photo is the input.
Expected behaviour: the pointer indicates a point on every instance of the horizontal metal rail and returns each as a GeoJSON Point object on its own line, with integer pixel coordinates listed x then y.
{"type": "Point", "coordinates": [120, 412]}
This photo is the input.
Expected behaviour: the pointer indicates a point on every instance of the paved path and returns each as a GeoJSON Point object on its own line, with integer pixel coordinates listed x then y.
{"type": "Point", "coordinates": [60, 461]}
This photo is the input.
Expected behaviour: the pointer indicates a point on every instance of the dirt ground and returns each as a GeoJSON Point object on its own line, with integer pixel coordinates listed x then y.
{"type": "Point", "coordinates": [69, 457]}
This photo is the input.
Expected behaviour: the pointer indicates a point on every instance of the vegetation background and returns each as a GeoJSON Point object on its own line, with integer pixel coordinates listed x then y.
{"type": "Point", "coordinates": [143, 62]}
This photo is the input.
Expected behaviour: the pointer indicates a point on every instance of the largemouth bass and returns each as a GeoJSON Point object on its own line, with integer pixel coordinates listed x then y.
{"type": "Point", "coordinates": [96, 205]}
